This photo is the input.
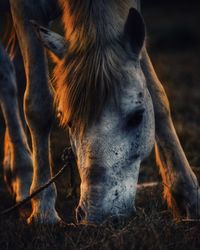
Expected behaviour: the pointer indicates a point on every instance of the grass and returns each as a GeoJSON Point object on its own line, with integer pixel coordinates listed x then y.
{"type": "Point", "coordinates": [152, 228]}
{"type": "Point", "coordinates": [174, 46]}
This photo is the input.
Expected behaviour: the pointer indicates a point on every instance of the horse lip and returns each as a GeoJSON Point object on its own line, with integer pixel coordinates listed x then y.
{"type": "Point", "coordinates": [85, 218]}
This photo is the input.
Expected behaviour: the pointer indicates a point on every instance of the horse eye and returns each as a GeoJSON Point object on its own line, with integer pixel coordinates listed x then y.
{"type": "Point", "coordinates": [135, 119]}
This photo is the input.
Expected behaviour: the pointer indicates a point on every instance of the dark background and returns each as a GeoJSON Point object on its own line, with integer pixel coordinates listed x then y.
{"type": "Point", "coordinates": [173, 38]}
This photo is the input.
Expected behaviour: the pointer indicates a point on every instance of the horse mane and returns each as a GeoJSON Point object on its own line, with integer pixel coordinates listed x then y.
{"type": "Point", "coordinates": [89, 75]}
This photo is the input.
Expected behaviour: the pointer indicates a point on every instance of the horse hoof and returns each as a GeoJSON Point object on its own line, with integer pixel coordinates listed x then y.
{"type": "Point", "coordinates": [45, 219]}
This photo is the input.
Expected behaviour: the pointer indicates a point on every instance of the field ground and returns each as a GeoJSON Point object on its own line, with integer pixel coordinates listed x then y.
{"type": "Point", "coordinates": [174, 45]}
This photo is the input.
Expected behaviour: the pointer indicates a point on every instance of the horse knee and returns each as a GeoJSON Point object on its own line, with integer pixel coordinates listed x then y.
{"type": "Point", "coordinates": [39, 112]}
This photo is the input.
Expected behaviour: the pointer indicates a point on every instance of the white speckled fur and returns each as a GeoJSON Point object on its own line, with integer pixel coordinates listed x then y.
{"type": "Point", "coordinates": [114, 154]}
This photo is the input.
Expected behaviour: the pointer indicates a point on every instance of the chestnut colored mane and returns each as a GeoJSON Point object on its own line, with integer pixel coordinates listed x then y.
{"type": "Point", "coordinates": [89, 75]}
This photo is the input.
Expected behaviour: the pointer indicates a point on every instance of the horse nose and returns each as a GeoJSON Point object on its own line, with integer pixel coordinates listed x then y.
{"type": "Point", "coordinates": [80, 214]}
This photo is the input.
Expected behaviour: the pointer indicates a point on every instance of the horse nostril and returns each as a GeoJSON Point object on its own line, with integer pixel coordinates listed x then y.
{"type": "Point", "coordinates": [80, 214]}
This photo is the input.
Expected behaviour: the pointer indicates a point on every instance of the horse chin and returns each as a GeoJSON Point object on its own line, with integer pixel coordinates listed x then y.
{"type": "Point", "coordinates": [96, 218]}
{"type": "Point", "coordinates": [98, 213]}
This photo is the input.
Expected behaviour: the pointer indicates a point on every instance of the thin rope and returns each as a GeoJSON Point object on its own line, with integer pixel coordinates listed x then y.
{"type": "Point", "coordinates": [69, 158]}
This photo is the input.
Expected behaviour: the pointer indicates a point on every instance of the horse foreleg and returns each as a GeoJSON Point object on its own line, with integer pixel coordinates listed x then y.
{"type": "Point", "coordinates": [17, 157]}
{"type": "Point", "coordinates": [181, 188]}
{"type": "Point", "coordinates": [38, 106]}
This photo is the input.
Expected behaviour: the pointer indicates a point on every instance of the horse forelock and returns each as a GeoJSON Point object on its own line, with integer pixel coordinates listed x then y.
{"type": "Point", "coordinates": [89, 75]}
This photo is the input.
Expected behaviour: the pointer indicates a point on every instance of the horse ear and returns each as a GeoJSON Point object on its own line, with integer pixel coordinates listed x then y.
{"type": "Point", "coordinates": [51, 40]}
{"type": "Point", "coordinates": [134, 31]}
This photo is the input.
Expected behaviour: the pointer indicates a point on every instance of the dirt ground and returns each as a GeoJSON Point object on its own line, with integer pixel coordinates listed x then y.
{"type": "Point", "coordinates": [173, 39]}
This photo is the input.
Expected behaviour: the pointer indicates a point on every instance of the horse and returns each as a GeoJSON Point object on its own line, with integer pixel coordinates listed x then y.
{"type": "Point", "coordinates": [110, 100]}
